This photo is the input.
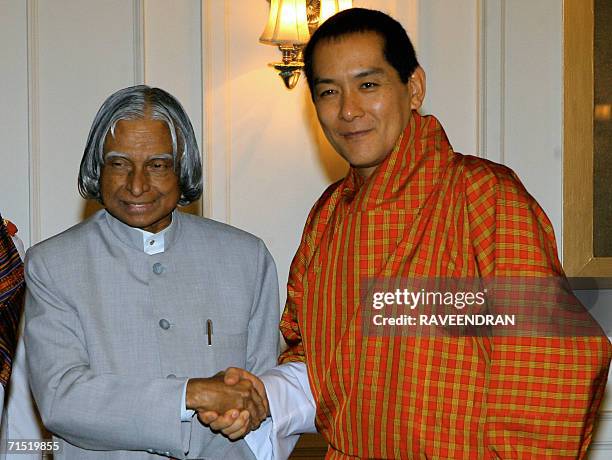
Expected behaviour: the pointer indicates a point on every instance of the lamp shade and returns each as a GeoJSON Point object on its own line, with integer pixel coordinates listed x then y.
{"type": "Point", "coordinates": [331, 7]}
{"type": "Point", "coordinates": [287, 23]}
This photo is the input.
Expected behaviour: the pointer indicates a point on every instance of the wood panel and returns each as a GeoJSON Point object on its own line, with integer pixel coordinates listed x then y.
{"type": "Point", "coordinates": [310, 447]}
{"type": "Point", "coordinates": [578, 257]}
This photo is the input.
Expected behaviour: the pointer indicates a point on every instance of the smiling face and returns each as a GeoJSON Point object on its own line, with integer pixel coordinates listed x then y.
{"type": "Point", "coordinates": [361, 103]}
{"type": "Point", "coordinates": [138, 183]}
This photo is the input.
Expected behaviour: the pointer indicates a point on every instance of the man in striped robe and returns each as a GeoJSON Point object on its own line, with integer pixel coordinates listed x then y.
{"type": "Point", "coordinates": [411, 207]}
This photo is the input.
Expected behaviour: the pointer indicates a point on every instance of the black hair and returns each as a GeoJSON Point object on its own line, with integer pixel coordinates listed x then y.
{"type": "Point", "coordinates": [397, 47]}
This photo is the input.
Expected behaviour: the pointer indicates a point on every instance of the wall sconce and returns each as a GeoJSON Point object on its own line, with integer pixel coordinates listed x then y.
{"type": "Point", "coordinates": [290, 24]}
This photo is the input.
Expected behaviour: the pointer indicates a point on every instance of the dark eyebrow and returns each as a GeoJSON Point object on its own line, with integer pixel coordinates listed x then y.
{"type": "Point", "coordinates": [361, 74]}
{"type": "Point", "coordinates": [319, 81]}
{"type": "Point", "coordinates": [160, 156]}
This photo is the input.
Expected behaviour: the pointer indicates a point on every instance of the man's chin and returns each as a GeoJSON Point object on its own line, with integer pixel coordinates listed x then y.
{"type": "Point", "coordinates": [138, 223]}
{"type": "Point", "coordinates": [365, 165]}
{"type": "Point", "coordinates": [134, 220]}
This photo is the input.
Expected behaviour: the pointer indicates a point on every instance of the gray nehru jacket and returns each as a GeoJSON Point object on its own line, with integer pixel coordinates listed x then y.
{"type": "Point", "coordinates": [112, 333]}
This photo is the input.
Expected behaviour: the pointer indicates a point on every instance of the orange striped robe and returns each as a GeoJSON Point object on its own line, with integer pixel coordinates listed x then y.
{"type": "Point", "coordinates": [428, 211]}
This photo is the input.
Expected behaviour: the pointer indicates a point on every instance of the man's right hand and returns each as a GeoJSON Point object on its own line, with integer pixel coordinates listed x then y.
{"type": "Point", "coordinates": [238, 399]}
{"type": "Point", "coordinates": [234, 424]}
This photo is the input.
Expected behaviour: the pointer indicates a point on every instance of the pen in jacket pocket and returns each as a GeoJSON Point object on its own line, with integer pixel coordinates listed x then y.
{"type": "Point", "coordinates": [209, 331]}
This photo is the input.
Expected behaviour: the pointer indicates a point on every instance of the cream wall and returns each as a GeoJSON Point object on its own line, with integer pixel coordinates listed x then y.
{"type": "Point", "coordinates": [494, 79]}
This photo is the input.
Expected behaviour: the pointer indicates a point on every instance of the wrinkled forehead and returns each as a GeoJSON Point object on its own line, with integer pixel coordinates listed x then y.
{"type": "Point", "coordinates": [139, 135]}
{"type": "Point", "coordinates": [128, 126]}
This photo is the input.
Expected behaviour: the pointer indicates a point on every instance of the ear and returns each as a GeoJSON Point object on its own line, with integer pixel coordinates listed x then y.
{"type": "Point", "coordinates": [416, 86]}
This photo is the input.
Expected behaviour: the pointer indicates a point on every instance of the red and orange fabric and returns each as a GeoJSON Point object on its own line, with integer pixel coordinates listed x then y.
{"type": "Point", "coordinates": [12, 289]}
{"type": "Point", "coordinates": [428, 211]}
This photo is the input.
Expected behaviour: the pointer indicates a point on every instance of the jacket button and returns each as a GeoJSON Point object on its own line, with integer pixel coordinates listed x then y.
{"type": "Point", "coordinates": [170, 376]}
{"type": "Point", "coordinates": [158, 268]}
{"type": "Point", "coordinates": [164, 324]}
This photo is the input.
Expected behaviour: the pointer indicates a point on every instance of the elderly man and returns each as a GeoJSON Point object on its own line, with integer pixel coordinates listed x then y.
{"type": "Point", "coordinates": [130, 313]}
{"type": "Point", "coordinates": [410, 207]}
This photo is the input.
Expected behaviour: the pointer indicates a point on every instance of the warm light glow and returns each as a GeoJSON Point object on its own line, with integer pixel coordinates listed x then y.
{"type": "Point", "coordinates": [603, 112]}
{"type": "Point", "coordinates": [331, 7]}
{"type": "Point", "coordinates": [266, 36]}
{"type": "Point", "coordinates": [287, 23]}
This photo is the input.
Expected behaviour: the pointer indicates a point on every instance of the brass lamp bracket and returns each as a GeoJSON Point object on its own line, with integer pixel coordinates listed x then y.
{"type": "Point", "coordinates": [289, 70]}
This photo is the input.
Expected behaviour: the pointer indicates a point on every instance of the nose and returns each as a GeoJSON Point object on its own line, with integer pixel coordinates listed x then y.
{"type": "Point", "coordinates": [350, 106]}
{"type": "Point", "coordinates": [138, 182]}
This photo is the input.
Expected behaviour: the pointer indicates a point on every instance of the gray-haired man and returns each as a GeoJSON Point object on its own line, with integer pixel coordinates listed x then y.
{"type": "Point", "coordinates": [129, 310]}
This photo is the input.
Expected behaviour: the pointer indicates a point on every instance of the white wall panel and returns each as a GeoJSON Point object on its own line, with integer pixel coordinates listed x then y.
{"type": "Point", "coordinates": [448, 51]}
{"type": "Point", "coordinates": [492, 51]}
{"type": "Point", "coordinates": [388, 6]}
{"type": "Point", "coordinates": [601, 448]}
{"type": "Point", "coordinates": [216, 141]}
{"type": "Point", "coordinates": [14, 163]}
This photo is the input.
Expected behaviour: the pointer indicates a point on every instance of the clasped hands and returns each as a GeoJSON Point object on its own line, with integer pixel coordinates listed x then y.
{"type": "Point", "coordinates": [233, 402]}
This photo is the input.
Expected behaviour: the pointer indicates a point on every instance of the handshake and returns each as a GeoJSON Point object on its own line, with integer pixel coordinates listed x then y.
{"type": "Point", "coordinates": [233, 402]}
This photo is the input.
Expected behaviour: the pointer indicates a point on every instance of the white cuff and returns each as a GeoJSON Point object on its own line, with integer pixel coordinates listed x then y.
{"type": "Point", "coordinates": [186, 414]}
{"type": "Point", "coordinates": [260, 441]}
{"type": "Point", "coordinates": [293, 412]}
